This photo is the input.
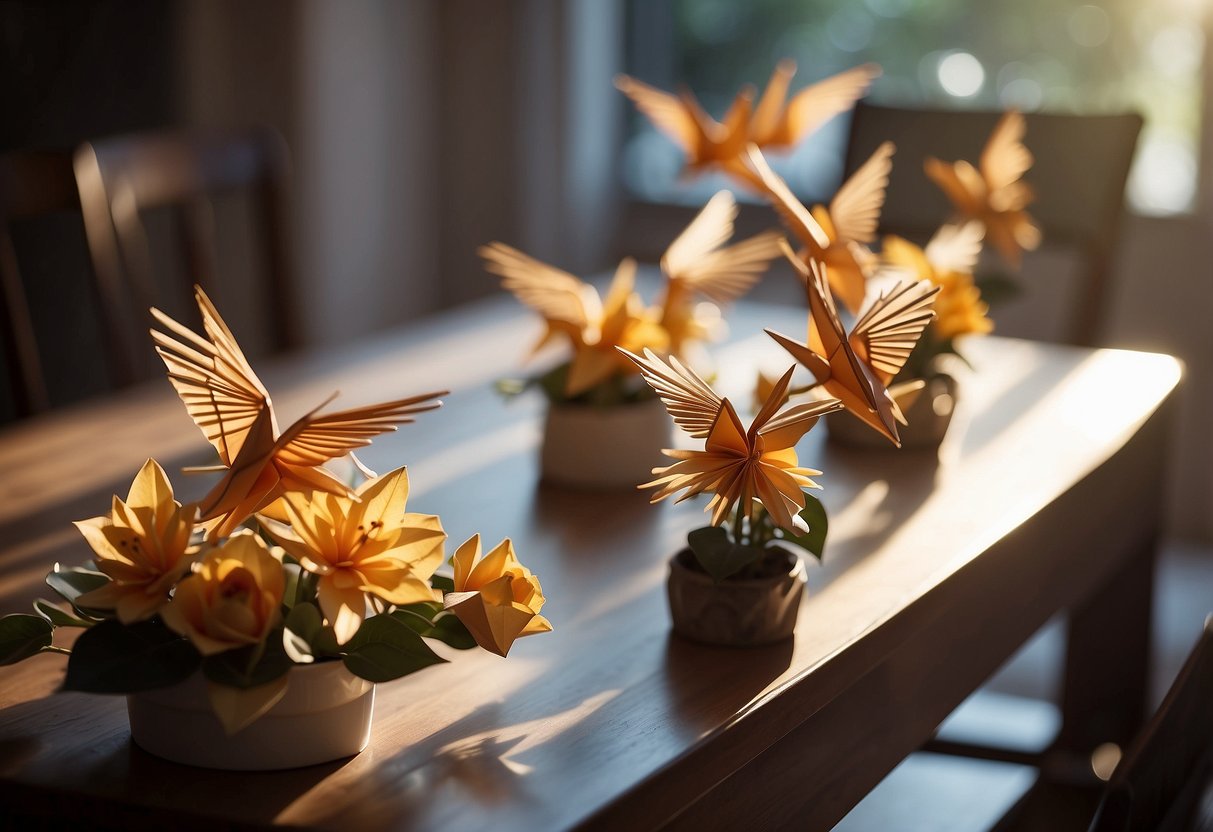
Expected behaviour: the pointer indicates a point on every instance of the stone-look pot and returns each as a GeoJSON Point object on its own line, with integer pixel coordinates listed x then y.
{"type": "Point", "coordinates": [604, 447]}
{"type": "Point", "coordinates": [929, 413]}
{"type": "Point", "coordinates": [733, 612]}
{"type": "Point", "coordinates": [324, 715]}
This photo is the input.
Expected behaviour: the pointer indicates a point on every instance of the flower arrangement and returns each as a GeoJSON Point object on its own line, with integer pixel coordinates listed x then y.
{"type": "Point", "coordinates": [759, 502]}
{"type": "Point", "coordinates": [699, 272]}
{"type": "Point", "coordinates": [281, 565]}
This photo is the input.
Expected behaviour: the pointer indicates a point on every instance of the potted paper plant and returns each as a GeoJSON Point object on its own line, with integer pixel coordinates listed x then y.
{"type": "Point", "coordinates": [857, 365]}
{"type": "Point", "coordinates": [247, 642]}
{"type": "Point", "coordinates": [740, 580]}
{"type": "Point", "coordinates": [603, 423]}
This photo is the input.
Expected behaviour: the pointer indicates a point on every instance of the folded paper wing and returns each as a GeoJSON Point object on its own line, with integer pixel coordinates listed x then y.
{"type": "Point", "coordinates": [229, 404]}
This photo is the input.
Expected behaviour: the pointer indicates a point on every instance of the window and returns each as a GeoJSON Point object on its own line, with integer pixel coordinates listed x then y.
{"type": "Point", "coordinates": [1061, 55]}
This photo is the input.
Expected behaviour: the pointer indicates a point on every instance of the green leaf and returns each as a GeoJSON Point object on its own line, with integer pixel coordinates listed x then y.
{"type": "Point", "coordinates": [552, 383]}
{"type": "Point", "coordinates": [249, 667]}
{"type": "Point", "coordinates": [21, 636]}
{"type": "Point", "coordinates": [814, 516]}
{"type": "Point", "coordinates": [72, 582]}
{"type": "Point", "coordinates": [442, 583]}
{"type": "Point", "coordinates": [384, 648]}
{"type": "Point", "coordinates": [719, 556]}
{"type": "Point", "coordinates": [115, 658]}
{"type": "Point", "coordinates": [304, 634]}
{"type": "Point", "coordinates": [58, 617]}
{"type": "Point", "coordinates": [436, 624]}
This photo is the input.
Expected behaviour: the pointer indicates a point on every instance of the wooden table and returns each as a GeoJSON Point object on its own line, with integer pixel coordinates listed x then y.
{"type": "Point", "coordinates": [1046, 496]}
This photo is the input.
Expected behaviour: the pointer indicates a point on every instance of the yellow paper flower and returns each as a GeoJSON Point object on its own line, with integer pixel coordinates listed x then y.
{"type": "Point", "coordinates": [959, 309]}
{"type": "Point", "coordinates": [143, 547]}
{"type": "Point", "coordinates": [234, 598]}
{"type": "Point", "coordinates": [496, 598]}
{"type": "Point", "coordinates": [363, 546]}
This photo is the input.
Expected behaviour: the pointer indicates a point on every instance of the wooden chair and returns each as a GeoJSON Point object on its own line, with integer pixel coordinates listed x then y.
{"type": "Point", "coordinates": [32, 184]}
{"type": "Point", "coordinates": [122, 178]}
{"type": "Point", "coordinates": [1082, 164]}
{"type": "Point", "coordinates": [1158, 783]}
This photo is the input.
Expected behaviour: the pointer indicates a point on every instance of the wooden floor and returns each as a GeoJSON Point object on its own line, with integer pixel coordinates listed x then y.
{"type": "Point", "coordinates": [938, 793]}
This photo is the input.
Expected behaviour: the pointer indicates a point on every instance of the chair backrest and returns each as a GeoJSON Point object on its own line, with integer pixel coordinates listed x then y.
{"type": "Point", "coordinates": [1082, 165]}
{"type": "Point", "coordinates": [32, 184]}
{"type": "Point", "coordinates": [122, 178]}
{"type": "Point", "coordinates": [1158, 783]}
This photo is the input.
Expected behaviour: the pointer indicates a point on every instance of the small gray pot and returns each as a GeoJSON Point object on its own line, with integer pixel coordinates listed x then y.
{"type": "Point", "coordinates": [734, 612]}
{"type": "Point", "coordinates": [929, 415]}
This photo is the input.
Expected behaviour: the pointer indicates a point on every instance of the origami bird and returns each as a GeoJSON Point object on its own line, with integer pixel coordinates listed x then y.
{"type": "Point", "coordinates": [847, 226]}
{"type": "Point", "coordinates": [232, 408]}
{"type": "Point", "coordinates": [857, 368]}
{"type": "Point", "coordinates": [703, 140]}
{"type": "Point", "coordinates": [994, 192]}
{"type": "Point", "coordinates": [737, 464]}
{"type": "Point", "coordinates": [698, 263]}
{"type": "Point", "coordinates": [573, 308]}
{"type": "Point", "coordinates": [779, 122]}
{"type": "Point", "coordinates": [776, 122]}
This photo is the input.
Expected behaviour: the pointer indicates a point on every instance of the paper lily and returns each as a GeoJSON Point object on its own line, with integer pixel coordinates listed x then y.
{"type": "Point", "coordinates": [230, 405]}
{"type": "Point", "coordinates": [367, 545]}
{"type": "Point", "coordinates": [233, 600]}
{"type": "Point", "coordinates": [736, 465]}
{"type": "Point", "coordinates": [994, 192]}
{"type": "Point", "coordinates": [699, 264]}
{"type": "Point", "coordinates": [856, 368]}
{"type": "Point", "coordinates": [573, 309]}
{"type": "Point", "coordinates": [496, 597]}
{"type": "Point", "coordinates": [143, 547]}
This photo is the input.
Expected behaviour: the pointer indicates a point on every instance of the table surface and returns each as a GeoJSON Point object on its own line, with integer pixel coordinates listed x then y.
{"type": "Point", "coordinates": [609, 720]}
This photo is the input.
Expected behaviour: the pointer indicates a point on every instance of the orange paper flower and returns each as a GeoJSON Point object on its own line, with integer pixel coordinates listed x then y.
{"type": "Point", "coordinates": [496, 597]}
{"type": "Point", "coordinates": [143, 547]}
{"type": "Point", "coordinates": [233, 600]}
{"type": "Point", "coordinates": [947, 261]}
{"type": "Point", "coordinates": [736, 464]}
{"type": "Point", "coordinates": [573, 309]}
{"type": "Point", "coordinates": [366, 545]}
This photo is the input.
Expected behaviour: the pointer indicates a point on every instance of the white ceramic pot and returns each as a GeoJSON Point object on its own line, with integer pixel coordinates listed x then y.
{"type": "Point", "coordinates": [735, 612]}
{"type": "Point", "coordinates": [604, 447]}
{"type": "Point", "coordinates": [324, 715]}
{"type": "Point", "coordinates": [928, 411]}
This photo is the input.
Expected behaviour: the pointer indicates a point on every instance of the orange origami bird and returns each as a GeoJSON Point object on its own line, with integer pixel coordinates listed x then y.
{"type": "Point", "coordinates": [232, 408]}
{"type": "Point", "coordinates": [994, 192]}
{"type": "Point", "coordinates": [704, 140]}
{"type": "Point", "coordinates": [777, 123]}
{"type": "Point", "coordinates": [736, 464]}
{"type": "Point", "coordinates": [698, 263]}
{"type": "Point", "coordinates": [572, 308]}
{"type": "Point", "coordinates": [857, 368]}
{"type": "Point", "coordinates": [847, 226]}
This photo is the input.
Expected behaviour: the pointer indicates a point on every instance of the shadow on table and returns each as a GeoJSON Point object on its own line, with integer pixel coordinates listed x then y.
{"type": "Point", "coordinates": [69, 763]}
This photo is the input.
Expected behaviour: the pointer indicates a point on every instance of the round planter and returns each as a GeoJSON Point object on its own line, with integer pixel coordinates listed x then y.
{"type": "Point", "coordinates": [732, 612]}
{"type": "Point", "coordinates": [604, 447]}
{"type": "Point", "coordinates": [324, 715]}
{"type": "Point", "coordinates": [929, 412]}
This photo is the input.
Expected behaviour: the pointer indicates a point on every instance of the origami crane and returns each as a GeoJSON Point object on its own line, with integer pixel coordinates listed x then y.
{"type": "Point", "coordinates": [847, 226]}
{"type": "Point", "coordinates": [698, 263]}
{"type": "Point", "coordinates": [993, 192]}
{"type": "Point", "coordinates": [738, 465]}
{"type": "Point", "coordinates": [858, 367]}
{"type": "Point", "coordinates": [572, 308]}
{"type": "Point", "coordinates": [232, 408]}
{"type": "Point", "coordinates": [775, 123]}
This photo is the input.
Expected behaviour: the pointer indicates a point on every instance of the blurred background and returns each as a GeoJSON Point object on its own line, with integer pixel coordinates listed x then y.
{"type": "Point", "coordinates": [418, 131]}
